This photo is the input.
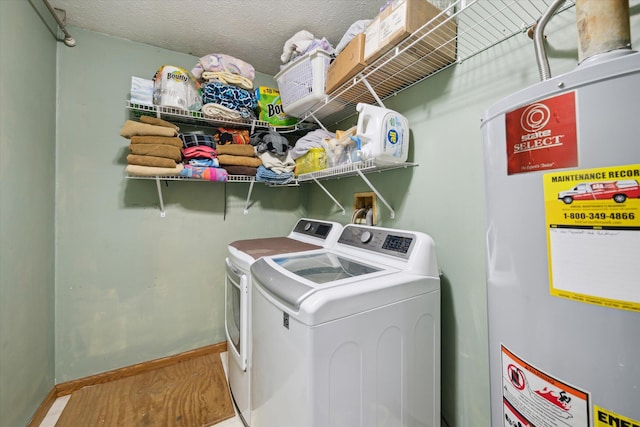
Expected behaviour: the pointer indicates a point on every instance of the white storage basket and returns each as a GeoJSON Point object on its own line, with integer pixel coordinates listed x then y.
{"type": "Point", "coordinates": [302, 82]}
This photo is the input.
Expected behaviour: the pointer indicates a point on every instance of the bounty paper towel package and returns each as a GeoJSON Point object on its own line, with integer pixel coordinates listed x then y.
{"type": "Point", "coordinates": [174, 87]}
{"type": "Point", "coordinates": [270, 107]}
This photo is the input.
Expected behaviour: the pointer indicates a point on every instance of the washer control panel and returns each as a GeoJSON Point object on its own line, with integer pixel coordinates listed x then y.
{"type": "Point", "coordinates": [390, 242]}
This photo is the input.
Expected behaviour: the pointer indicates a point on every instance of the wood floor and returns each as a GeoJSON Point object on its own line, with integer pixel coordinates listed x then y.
{"type": "Point", "coordinates": [192, 393]}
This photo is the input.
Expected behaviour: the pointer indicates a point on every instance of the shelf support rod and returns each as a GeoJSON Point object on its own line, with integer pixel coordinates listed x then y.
{"type": "Point", "coordinates": [364, 178]}
{"type": "Point", "coordinates": [159, 187]}
{"type": "Point", "coordinates": [373, 92]}
{"type": "Point", "coordinates": [318, 122]}
{"type": "Point", "coordinates": [329, 194]}
{"type": "Point", "coordinates": [246, 205]}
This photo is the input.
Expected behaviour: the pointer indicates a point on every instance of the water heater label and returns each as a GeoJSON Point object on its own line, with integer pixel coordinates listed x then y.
{"type": "Point", "coordinates": [605, 418]}
{"type": "Point", "coordinates": [593, 235]}
{"type": "Point", "coordinates": [542, 135]}
{"type": "Point", "coordinates": [534, 398]}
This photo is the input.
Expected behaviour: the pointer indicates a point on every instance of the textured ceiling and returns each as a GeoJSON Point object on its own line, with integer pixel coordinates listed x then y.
{"type": "Point", "coordinates": [252, 30]}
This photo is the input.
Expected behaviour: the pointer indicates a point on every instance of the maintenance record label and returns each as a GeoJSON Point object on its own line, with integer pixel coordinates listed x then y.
{"type": "Point", "coordinates": [593, 235]}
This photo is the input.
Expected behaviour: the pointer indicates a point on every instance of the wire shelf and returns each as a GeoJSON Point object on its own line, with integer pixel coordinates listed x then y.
{"type": "Point", "coordinates": [197, 118]}
{"type": "Point", "coordinates": [351, 169]}
{"type": "Point", "coordinates": [461, 31]}
{"type": "Point", "coordinates": [230, 178]}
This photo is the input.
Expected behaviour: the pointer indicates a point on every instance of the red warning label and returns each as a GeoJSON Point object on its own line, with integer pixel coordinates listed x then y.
{"type": "Point", "coordinates": [542, 135]}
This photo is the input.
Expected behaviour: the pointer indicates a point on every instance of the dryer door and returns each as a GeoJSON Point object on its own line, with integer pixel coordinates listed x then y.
{"type": "Point", "coordinates": [236, 313]}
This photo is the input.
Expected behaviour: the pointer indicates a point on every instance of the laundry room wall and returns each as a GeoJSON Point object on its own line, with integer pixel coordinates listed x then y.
{"type": "Point", "coordinates": [444, 195]}
{"type": "Point", "coordinates": [27, 175]}
{"type": "Point", "coordinates": [132, 286]}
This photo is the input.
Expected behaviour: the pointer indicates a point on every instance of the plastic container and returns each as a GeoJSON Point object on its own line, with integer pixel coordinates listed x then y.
{"type": "Point", "coordinates": [302, 82]}
{"type": "Point", "coordinates": [314, 160]}
{"type": "Point", "coordinates": [383, 134]}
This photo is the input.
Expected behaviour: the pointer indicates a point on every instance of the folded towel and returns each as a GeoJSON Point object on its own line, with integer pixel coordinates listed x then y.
{"type": "Point", "coordinates": [241, 170]}
{"type": "Point", "coordinates": [164, 140]}
{"type": "Point", "coordinates": [236, 150]}
{"type": "Point", "coordinates": [228, 78]}
{"type": "Point", "coordinates": [160, 162]}
{"type": "Point", "coordinates": [137, 170]}
{"type": "Point", "coordinates": [205, 173]}
{"type": "Point", "coordinates": [199, 152]}
{"type": "Point", "coordinates": [131, 128]}
{"type": "Point", "coordinates": [218, 111]}
{"type": "Point", "coordinates": [158, 122]}
{"type": "Point", "coordinates": [157, 150]}
{"type": "Point", "coordinates": [226, 159]}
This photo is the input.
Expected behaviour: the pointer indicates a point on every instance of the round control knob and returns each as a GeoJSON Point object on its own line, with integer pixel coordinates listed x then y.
{"type": "Point", "coordinates": [307, 226]}
{"type": "Point", "coordinates": [365, 236]}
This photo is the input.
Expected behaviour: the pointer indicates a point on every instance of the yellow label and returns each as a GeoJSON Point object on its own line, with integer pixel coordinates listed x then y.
{"type": "Point", "coordinates": [604, 418]}
{"type": "Point", "coordinates": [593, 235]}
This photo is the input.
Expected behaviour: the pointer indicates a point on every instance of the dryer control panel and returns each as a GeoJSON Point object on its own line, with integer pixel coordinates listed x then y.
{"type": "Point", "coordinates": [390, 242]}
{"type": "Point", "coordinates": [317, 229]}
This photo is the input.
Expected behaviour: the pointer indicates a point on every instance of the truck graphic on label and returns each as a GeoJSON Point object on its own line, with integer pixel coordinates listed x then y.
{"type": "Point", "coordinates": [618, 191]}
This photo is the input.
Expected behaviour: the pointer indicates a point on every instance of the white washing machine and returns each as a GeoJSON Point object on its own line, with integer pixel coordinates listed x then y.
{"type": "Point", "coordinates": [348, 336]}
{"type": "Point", "coordinates": [307, 235]}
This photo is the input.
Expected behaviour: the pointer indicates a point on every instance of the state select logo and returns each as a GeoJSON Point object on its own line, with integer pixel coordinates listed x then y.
{"type": "Point", "coordinates": [542, 135]}
{"type": "Point", "coordinates": [533, 119]}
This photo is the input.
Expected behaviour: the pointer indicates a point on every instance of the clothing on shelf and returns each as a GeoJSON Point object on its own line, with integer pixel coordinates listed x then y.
{"type": "Point", "coordinates": [197, 139]}
{"type": "Point", "coordinates": [220, 62]}
{"type": "Point", "coordinates": [270, 141]}
{"type": "Point", "coordinates": [199, 152]}
{"type": "Point", "coordinates": [278, 163]}
{"type": "Point", "coordinates": [314, 139]}
{"type": "Point", "coordinates": [302, 43]}
{"type": "Point", "coordinates": [267, 175]}
{"type": "Point", "coordinates": [204, 173]}
{"type": "Point", "coordinates": [230, 96]}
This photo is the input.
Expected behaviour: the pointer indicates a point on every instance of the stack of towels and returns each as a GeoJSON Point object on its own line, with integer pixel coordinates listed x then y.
{"type": "Point", "coordinates": [227, 87]}
{"type": "Point", "coordinates": [238, 159]}
{"type": "Point", "coordinates": [155, 149]}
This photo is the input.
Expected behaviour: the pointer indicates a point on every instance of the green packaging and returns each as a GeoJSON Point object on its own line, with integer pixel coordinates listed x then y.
{"type": "Point", "coordinates": [270, 107]}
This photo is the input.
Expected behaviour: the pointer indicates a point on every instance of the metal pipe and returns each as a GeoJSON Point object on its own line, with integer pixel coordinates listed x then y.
{"type": "Point", "coordinates": [538, 40]}
{"type": "Point", "coordinates": [603, 26]}
{"type": "Point", "coordinates": [68, 40]}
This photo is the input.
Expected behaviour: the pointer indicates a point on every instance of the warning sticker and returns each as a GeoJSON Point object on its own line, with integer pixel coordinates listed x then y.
{"type": "Point", "coordinates": [604, 418]}
{"type": "Point", "coordinates": [593, 235]}
{"type": "Point", "coordinates": [542, 135]}
{"type": "Point", "coordinates": [532, 398]}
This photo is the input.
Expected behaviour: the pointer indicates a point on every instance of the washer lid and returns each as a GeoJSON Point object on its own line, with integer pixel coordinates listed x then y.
{"type": "Point", "coordinates": [319, 268]}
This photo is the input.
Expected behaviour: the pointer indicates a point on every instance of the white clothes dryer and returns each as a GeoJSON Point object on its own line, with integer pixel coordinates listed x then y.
{"type": "Point", "coordinates": [348, 336]}
{"type": "Point", "coordinates": [307, 235]}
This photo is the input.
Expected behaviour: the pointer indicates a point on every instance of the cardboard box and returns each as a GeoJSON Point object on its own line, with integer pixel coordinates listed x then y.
{"type": "Point", "coordinates": [400, 19]}
{"type": "Point", "coordinates": [348, 63]}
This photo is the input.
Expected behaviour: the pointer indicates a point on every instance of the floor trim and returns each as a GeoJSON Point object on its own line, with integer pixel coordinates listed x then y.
{"type": "Point", "coordinates": [69, 387]}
